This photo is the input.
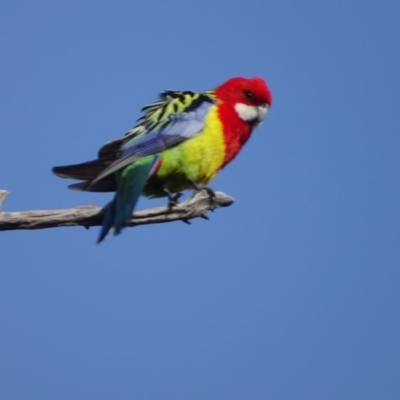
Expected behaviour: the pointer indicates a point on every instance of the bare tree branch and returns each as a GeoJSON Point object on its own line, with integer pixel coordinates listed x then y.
{"type": "Point", "coordinates": [90, 215]}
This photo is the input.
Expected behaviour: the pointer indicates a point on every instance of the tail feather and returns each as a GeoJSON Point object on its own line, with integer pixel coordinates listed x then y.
{"type": "Point", "coordinates": [131, 181]}
{"type": "Point", "coordinates": [111, 149]}
{"type": "Point", "coordinates": [105, 185]}
{"type": "Point", "coordinates": [83, 171]}
{"type": "Point", "coordinates": [108, 219]}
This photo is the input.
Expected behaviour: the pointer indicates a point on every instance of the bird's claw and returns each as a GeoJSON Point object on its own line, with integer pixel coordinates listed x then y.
{"type": "Point", "coordinates": [210, 192]}
{"type": "Point", "coordinates": [172, 198]}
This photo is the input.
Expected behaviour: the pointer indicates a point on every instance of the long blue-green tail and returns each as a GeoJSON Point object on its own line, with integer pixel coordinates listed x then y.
{"type": "Point", "coordinates": [131, 181]}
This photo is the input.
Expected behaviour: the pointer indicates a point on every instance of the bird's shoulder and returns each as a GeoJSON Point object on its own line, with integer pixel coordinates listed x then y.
{"type": "Point", "coordinates": [172, 105]}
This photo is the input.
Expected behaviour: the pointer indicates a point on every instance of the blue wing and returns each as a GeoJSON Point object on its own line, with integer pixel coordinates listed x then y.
{"type": "Point", "coordinates": [161, 128]}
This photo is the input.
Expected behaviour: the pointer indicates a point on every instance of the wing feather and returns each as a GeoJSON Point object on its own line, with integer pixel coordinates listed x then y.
{"type": "Point", "coordinates": [177, 117]}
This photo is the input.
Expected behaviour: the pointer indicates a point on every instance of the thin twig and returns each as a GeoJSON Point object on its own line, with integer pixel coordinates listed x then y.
{"type": "Point", "coordinates": [87, 216]}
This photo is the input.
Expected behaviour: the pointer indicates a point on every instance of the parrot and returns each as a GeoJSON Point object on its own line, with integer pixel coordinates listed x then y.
{"type": "Point", "coordinates": [179, 143]}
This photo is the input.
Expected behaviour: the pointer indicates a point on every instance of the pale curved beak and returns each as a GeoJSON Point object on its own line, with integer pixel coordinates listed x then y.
{"type": "Point", "coordinates": [262, 111]}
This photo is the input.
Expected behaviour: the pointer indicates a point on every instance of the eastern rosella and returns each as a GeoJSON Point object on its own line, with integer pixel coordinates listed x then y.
{"type": "Point", "coordinates": [180, 142]}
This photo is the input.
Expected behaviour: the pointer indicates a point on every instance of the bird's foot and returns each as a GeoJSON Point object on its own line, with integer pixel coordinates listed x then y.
{"type": "Point", "coordinates": [173, 200]}
{"type": "Point", "coordinates": [210, 192]}
{"type": "Point", "coordinates": [172, 197]}
{"type": "Point", "coordinates": [198, 188]}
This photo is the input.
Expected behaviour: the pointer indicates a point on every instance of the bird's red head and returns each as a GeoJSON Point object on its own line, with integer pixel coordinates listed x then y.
{"type": "Point", "coordinates": [251, 98]}
{"type": "Point", "coordinates": [253, 91]}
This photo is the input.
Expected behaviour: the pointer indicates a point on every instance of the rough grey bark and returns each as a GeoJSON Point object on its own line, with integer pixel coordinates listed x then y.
{"type": "Point", "coordinates": [90, 215]}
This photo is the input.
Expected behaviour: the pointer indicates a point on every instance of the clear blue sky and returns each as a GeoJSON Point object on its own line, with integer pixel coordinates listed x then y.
{"type": "Point", "coordinates": [291, 293]}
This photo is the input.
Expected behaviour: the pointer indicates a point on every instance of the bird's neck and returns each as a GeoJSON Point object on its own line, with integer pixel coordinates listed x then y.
{"type": "Point", "coordinates": [236, 131]}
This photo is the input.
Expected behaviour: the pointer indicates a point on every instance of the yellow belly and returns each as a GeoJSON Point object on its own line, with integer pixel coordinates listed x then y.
{"type": "Point", "coordinates": [197, 159]}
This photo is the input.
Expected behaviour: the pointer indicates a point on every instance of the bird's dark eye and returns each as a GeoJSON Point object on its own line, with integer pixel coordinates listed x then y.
{"type": "Point", "coordinates": [249, 94]}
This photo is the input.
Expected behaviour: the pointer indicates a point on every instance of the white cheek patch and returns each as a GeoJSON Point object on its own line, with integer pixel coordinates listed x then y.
{"type": "Point", "coordinates": [246, 112]}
